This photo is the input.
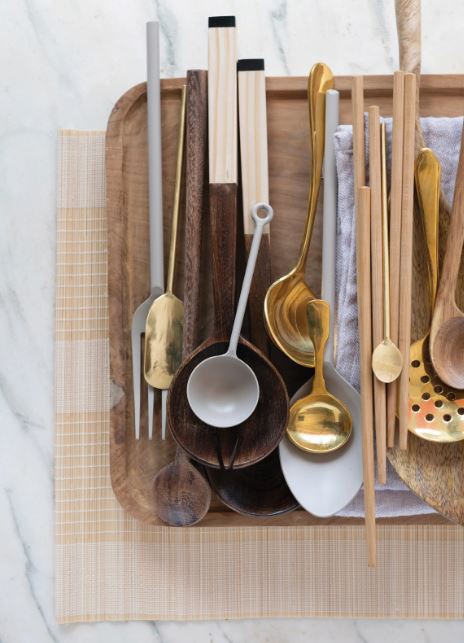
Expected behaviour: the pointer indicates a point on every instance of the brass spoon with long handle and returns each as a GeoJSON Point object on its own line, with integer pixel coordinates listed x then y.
{"type": "Point", "coordinates": [387, 360]}
{"type": "Point", "coordinates": [287, 299]}
{"type": "Point", "coordinates": [165, 319]}
{"type": "Point", "coordinates": [319, 422]}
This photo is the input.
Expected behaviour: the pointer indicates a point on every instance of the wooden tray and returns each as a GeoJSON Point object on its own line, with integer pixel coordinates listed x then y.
{"type": "Point", "coordinates": [133, 464]}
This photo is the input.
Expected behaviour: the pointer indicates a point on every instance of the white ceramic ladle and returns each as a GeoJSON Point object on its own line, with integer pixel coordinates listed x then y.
{"type": "Point", "coordinates": [223, 390]}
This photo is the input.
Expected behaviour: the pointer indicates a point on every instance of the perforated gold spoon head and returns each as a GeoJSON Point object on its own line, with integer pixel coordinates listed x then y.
{"type": "Point", "coordinates": [436, 411]}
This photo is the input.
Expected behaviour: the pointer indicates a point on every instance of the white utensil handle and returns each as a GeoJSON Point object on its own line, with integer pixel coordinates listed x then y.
{"type": "Point", "coordinates": [329, 229]}
{"type": "Point", "coordinates": [155, 177]}
{"type": "Point", "coordinates": [253, 137]}
{"type": "Point", "coordinates": [260, 222]}
{"type": "Point", "coordinates": [222, 99]}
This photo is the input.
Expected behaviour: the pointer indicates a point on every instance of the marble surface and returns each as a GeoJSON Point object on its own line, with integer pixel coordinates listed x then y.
{"type": "Point", "coordinates": [64, 64]}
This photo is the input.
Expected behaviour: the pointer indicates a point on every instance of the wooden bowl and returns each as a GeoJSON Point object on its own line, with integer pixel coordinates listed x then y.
{"type": "Point", "coordinates": [239, 446]}
{"type": "Point", "coordinates": [259, 490]}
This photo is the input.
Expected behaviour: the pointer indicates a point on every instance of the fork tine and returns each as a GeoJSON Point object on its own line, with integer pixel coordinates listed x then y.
{"type": "Point", "coordinates": [164, 397]}
{"type": "Point", "coordinates": [151, 403]}
{"type": "Point", "coordinates": [136, 363]}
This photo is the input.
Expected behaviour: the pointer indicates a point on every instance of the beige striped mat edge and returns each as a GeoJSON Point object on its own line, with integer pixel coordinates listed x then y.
{"type": "Point", "coordinates": [111, 567]}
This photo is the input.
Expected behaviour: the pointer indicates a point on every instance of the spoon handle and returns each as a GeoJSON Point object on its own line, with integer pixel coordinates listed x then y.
{"type": "Point", "coordinates": [318, 315]}
{"type": "Point", "coordinates": [222, 139]}
{"type": "Point", "coordinates": [255, 184]}
{"type": "Point", "coordinates": [260, 222]}
{"type": "Point", "coordinates": [329, 232]}
{"type": "Point", "coordinates": [155, 180]}
{"type": "Point", "coordinates": [177, 189]}
{"type": "Point", "coordinates": [455, 239]}
{"type": "Point", "coordinates": [427, 178]}
{"type": "Point", "coordinates": [319, 81]}
{"type": "Point", "coordinates": [196, 159]}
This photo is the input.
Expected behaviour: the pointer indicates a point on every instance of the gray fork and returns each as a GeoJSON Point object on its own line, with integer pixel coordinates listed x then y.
{"type": "Point", "coordinates": [155, 199]}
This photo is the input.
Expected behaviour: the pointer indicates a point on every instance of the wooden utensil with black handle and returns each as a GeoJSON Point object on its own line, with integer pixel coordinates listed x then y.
{"type": "Point", "coordinates": [181, 494]}
{"type": "Point", "coordinates": [222, 133]}
{"type": "Point", "coordinates": [255, 184]}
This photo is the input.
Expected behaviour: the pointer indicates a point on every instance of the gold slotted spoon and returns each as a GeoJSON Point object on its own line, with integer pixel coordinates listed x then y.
{"type": "Point", "coordinates": [436, 411]}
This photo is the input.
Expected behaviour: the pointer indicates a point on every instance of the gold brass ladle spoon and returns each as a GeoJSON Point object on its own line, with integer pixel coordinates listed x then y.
{"type": "Point", "coordinates": [287, 298]}
{"type": "Point", "coordinates": [387, 361]}
{"type": "Point", "coordinates": [164, 325]}
{"type": "Point", "coordinates": [319, 422]}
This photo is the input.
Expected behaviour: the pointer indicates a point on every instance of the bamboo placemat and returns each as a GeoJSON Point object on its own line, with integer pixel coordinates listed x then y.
{"type": "Point", "coordinates": [111, 567]}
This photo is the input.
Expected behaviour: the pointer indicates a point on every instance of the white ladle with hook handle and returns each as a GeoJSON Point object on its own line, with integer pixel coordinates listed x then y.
{"type": "Point", "coordinates": [223, 390]}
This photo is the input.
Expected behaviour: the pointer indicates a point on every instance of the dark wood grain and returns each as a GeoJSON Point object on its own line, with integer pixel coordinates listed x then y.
{"type": "Point", "coordinates": [432, 471]}
{"type": "Point", "coordinates": [196, 196]}
{"type": "Point", "coordinates": [258, 491]}
{"type": "Point", "coordinates": [223, 213]}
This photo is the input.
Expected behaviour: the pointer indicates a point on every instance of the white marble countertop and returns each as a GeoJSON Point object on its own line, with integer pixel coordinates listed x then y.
{"type": "Point", "coordinates": [64, 64]}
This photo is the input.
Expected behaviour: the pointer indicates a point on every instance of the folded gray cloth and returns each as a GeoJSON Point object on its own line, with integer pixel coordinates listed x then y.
{"type": "Point", "coordinates": [443, 136]}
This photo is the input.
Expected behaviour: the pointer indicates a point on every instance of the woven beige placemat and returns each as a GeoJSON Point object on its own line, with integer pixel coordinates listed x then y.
{"type": "Point", "coordinates": [111, 567]}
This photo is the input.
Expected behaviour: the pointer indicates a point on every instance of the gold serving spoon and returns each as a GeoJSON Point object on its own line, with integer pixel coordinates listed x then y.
{"type": "Point", "coordinates": [319, 422]}
{"type": "Point", "coordinates": [286, 300]}
{"type": "Point", "coordinates": [165, 319]}
{"type": "Point", "coordinates": [387, 361]}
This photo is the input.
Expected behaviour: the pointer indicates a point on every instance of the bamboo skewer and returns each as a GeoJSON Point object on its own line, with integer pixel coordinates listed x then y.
{"type": "Point", "coordinates": [365, 343]}
{"type": "Point", "coordinates": [405, 286]}
{"type": "Point", "coordinates": [357, 103]}
{"type": "Point", "coordinates": [362, 207]}
{"type": "Point", "coordinates": [395, 237]}
{"type": "Point", "coordinates": [375, 180]}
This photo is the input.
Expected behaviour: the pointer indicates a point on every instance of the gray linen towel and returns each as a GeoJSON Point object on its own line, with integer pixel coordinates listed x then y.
{"type": "Point", "coordinates": [443, 136]}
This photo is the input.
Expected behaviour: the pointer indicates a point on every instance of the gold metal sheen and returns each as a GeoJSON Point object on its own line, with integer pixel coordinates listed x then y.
{"type": "Point", "coordinates": [387, 361]}
{"type": "Point", "coordinates": [165, 319]}
{"type": "Point", "coordinates": [436, 411]}
{"type": "Point", "coordinates": [319, 422]}
{"type": "Point", "coordinates": [286, 300]}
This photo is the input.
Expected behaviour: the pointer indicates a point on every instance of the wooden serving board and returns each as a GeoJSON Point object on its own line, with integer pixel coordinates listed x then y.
{"type": "Point", "coordinates": [134, 463]}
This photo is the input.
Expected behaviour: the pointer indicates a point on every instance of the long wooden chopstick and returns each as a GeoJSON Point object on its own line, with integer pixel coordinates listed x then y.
{"type": "Point", "coordinates": [405, 289]}
{"type": "Point", "coordinates": [362, 207]}
{"type": "Point", "coordinates": [375, 181]}
{"type": "Point", "coordinates": [363, 234]}
{"type": "Point", "coordinates": [395, 237]}
{"type": "Point", "coordinates": [357, 108]}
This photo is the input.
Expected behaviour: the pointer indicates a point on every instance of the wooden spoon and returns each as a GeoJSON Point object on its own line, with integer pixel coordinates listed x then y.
{"type": "Point", "coordinates": [287, 299]}
{"type": "Point", "coordinates": [255, 438]}
{"type": "Point", "coordinates": [181, 495]}
{"type": "Point", "coordinates": [447, 332]}
{"type": "Point", "coordinates": [259, 490]}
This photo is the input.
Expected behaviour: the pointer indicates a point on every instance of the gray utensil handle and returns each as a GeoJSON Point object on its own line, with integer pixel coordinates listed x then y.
{"type": "Point", "coordinates": [329, 229]}
{"type": "Point", "coordinates": [155, 176]}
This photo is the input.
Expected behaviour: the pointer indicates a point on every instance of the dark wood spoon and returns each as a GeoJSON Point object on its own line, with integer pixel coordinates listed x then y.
{"type": "Point", "coordinates": [259, 435]}
{"type": "Point", "coordinates": [259, 490]}
{"type": "Point", "coordinates": [181, 494]}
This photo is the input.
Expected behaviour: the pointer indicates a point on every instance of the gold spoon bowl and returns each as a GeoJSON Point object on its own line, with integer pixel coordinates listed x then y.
{"type": "Point", "coordinates": [319, 422]}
